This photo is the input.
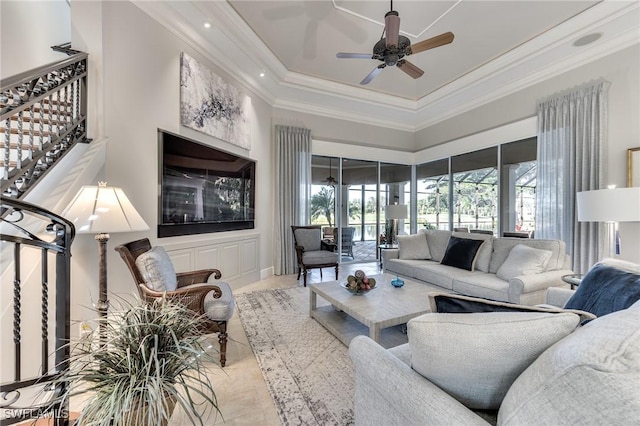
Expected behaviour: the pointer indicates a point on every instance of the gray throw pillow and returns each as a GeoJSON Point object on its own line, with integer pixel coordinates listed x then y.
{"type": "Point", "coordinates": [413, 247]}
{"type": "Point", "coordinates": [590, 377]}
{"type": "Point", "coordinates": [524, 260]}
{"type": "Point", "coordinates": [156, 269]}
{"type": "Point", "coordinates": [476, 357]}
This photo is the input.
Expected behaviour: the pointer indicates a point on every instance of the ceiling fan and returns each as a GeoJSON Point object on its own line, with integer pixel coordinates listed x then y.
{"type": "Point", "coordinates": [393, 47]}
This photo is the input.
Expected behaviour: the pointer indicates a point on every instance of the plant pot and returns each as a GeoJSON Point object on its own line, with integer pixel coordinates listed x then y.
{"type": "Point", "coordinates": [143, 416]}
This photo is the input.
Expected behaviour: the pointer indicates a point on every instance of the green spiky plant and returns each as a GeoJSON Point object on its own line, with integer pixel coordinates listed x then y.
{"type": "Point", "coordinates": [147, 359]}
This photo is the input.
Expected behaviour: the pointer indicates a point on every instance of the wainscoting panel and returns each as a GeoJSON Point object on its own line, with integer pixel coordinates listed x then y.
{"type": "Point", "coordinates": [231, 261]}
{"type": "Point", "coordinates": [249, 251]}
{"type": "Point", "coordinates": [182, 260]}
{"type": "Point", "coordinates": [236, 257]}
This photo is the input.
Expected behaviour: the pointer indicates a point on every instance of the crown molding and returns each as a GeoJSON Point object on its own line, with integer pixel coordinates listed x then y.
{"type": "Point", "coordinates": [242, 54]}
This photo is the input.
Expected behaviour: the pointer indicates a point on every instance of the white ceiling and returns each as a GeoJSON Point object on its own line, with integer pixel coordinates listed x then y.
{"type": "Point", "coordinates": [306, 35]}
{"type": "Point", "coordinates": [500, 47]}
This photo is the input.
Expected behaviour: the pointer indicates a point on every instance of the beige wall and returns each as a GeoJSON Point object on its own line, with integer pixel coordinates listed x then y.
{"type": "Point", "coordinates": [28, 29]}
{"type": "Point", "coordinates": [141, 86]}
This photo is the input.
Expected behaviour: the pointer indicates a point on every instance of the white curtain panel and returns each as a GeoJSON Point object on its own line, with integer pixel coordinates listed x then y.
{"type": "Point", "coordinates": [292, 192]}
{"type": "Point", "coordinates": [572, 134]}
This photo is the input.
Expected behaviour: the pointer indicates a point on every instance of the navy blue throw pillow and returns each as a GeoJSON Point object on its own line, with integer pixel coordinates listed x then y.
{"type": "Point", "coordinates": [604, 290]}
{"type": "Point", "coordinates": [461, 252]}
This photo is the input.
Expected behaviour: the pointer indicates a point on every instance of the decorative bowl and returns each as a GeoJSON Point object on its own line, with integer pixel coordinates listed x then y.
{"type": "Point", "coordinates": [356, 292]}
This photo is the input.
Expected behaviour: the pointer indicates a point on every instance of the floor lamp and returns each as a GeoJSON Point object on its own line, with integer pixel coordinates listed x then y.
{"type": "Point", "coordinates": [610, 206]}
{"type": "Point", "coordinates": [395, 212]}
{"type": "Point", "coordinates": [102, 210]}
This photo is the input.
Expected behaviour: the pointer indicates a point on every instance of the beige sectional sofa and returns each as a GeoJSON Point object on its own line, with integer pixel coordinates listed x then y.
{"type": "Point", "coordinates": [495, 273]}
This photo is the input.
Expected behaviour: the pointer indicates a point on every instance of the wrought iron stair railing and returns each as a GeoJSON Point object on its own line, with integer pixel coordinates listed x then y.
{"type": "Point", "coordinates": [42, 116]}
{"type": "Point", "coordinates": [36, 266]}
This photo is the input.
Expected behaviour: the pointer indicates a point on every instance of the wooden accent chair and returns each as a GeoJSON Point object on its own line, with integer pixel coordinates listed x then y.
{"type": "Point", "coordinates": [212, 302]}
{"type": "Point", "coordinates": [311, 252]}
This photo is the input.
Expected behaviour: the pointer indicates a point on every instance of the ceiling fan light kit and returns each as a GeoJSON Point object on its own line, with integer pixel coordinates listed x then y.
{"type": "Point", "coordinates": [393, 47]}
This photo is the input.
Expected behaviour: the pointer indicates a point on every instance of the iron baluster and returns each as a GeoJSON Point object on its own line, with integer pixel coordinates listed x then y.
{"type": "Point", "coordinates": [45, 311]}
{"type": "Point", "coordinates": [16, 312]}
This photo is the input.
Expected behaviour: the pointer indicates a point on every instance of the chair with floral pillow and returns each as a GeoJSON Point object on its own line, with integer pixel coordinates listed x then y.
{"type": "Point", "coordinates": [156, 278]}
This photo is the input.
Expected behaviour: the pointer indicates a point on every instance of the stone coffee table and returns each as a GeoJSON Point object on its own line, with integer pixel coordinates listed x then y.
{"type": "Point", "coordinates": [385, 306]}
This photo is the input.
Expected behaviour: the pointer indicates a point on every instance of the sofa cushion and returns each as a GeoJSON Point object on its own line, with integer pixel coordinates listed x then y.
{"type": "Point", "coordinates": [484, 253]}
{"type": "Point", "coordinates": [605, 289]}
{"type": "Point", "coordinates": [449, 303]}
{"type": "Point", "coordinates": [483, 285]}
{"type": "Point", "coordinates": [157, 270]}
{"type": "Point", "coordinates": [524, 260]}
{"type": "Point", "coordinates": [502, 247]}
{"type": "Point", "coordinates": [437, 239]}
{"type": "Point", "coordinates": [413, 247]}
{"type": "Point", "coordinates": [309, 239]}
{"type": "Point", "coordinates": [440, 275]}
{"type": "Point", "coordinates": [476, 357]}
{"type": "Point", "coordinates": [402, 266]}
{"type": "Point", "coordinates": [461, 253]}
{"type": "Point", "coordinates": [590, 377]}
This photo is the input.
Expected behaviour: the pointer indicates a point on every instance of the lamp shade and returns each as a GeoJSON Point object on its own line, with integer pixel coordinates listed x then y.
{"type": "Point", "coordinates": [609, 205]}
{"type": "Point", "coordinates": [103, 209]}
{"type": "Point", "coordinates": [396, 211]}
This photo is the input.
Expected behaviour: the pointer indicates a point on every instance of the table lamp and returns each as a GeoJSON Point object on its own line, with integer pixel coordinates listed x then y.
{"type": "Point", "coordinates": [394, 212]}
{"type": "Point", "coordinates": [610, 206]}
{"type": "Point", "coordinates": [100, 210]}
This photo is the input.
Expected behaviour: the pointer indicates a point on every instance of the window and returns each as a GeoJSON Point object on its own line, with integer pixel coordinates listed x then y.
{"type": "Point", "coordinates": [475, 190]}
{"type": "Point", "coordinates": [433, 194]}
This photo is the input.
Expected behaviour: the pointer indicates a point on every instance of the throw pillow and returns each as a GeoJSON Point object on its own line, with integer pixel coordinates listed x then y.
{"type": "Point", "coordinates": [605, 289]}
{"type": "Point", "coordinates": [448, 303]}
{"type": "Point", "coordinates": [461, 253]}
{"type": "Point", "coordinates": [413, 247]}
{"type": "Point", "coordinates": [590, 377]}
{"type": "Point", "coordinates": [476, 357]}
{"type": "Point", "coordinates": [156, 269]}
{"type": "Point", "coordinates": [484, 253]}
{"type": "Point", "coordinates": [524, 260]}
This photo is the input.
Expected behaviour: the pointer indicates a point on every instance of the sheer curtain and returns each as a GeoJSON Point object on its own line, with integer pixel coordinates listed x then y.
{"type": "Point", "coordinates": [572, 135]}
{"type": "Point", "coordinates": [292, 192]}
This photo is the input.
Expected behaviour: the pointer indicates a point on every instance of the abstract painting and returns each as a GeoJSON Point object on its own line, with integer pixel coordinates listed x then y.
{"type": "Point", "coordinates": [211, 105]}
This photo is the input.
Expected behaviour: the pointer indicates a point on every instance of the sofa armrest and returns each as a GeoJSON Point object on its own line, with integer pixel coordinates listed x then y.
{"type": "Point", "coordinates": [389, 392]}
{"type": "Point", "coordinates": [536, 283]}
{"type": "Point", "coordinates": [390, 254]}
{"type": "Point", "coordinates": [557, 296]}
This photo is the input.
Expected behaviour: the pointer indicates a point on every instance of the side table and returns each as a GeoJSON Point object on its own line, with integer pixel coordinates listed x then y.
{"type": "Point", "coordinates": [573, 280]}
{"type": "Point", "coordinates": [385, 247]}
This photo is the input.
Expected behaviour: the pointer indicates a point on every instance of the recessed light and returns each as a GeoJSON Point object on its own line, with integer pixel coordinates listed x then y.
{"type": "Point", "coordinates": [261, 74]}
{"type": "Point", "coordinates": [207, 24]}
{"type": "Point", "coordinates": [587, 39]}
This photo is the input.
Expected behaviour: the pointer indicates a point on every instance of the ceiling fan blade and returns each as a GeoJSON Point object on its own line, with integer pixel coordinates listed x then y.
{"type": "Point", "coordinates": [372, 74]}
{"type": "Point", "coordinates": [354, 55]}
{"type": "Point", "coordinates": [410, 69]}
{"type": "Point", "coordinates": [391, 28]}
{"type": "Point", "coordinates": [430, 43]}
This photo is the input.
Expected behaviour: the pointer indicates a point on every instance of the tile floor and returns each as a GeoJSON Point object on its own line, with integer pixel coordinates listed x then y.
{"type": "Point", "coordinates": [242, 393]}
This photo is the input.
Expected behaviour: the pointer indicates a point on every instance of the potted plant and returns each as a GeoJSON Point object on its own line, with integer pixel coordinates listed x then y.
{"type": "Point", "coordinates": [141, 362]}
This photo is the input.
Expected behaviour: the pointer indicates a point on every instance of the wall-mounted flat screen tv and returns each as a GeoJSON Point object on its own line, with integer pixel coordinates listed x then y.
{"type": "Point", "coordinates": [203, 189]}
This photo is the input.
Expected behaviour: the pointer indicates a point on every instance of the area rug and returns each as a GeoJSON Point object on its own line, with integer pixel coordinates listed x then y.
{"type": "Point", "coordinates": [307, 370]}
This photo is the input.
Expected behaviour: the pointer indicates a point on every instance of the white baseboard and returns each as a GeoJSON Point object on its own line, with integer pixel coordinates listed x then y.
{"type": "Point", "coordinates": [266, 273]}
